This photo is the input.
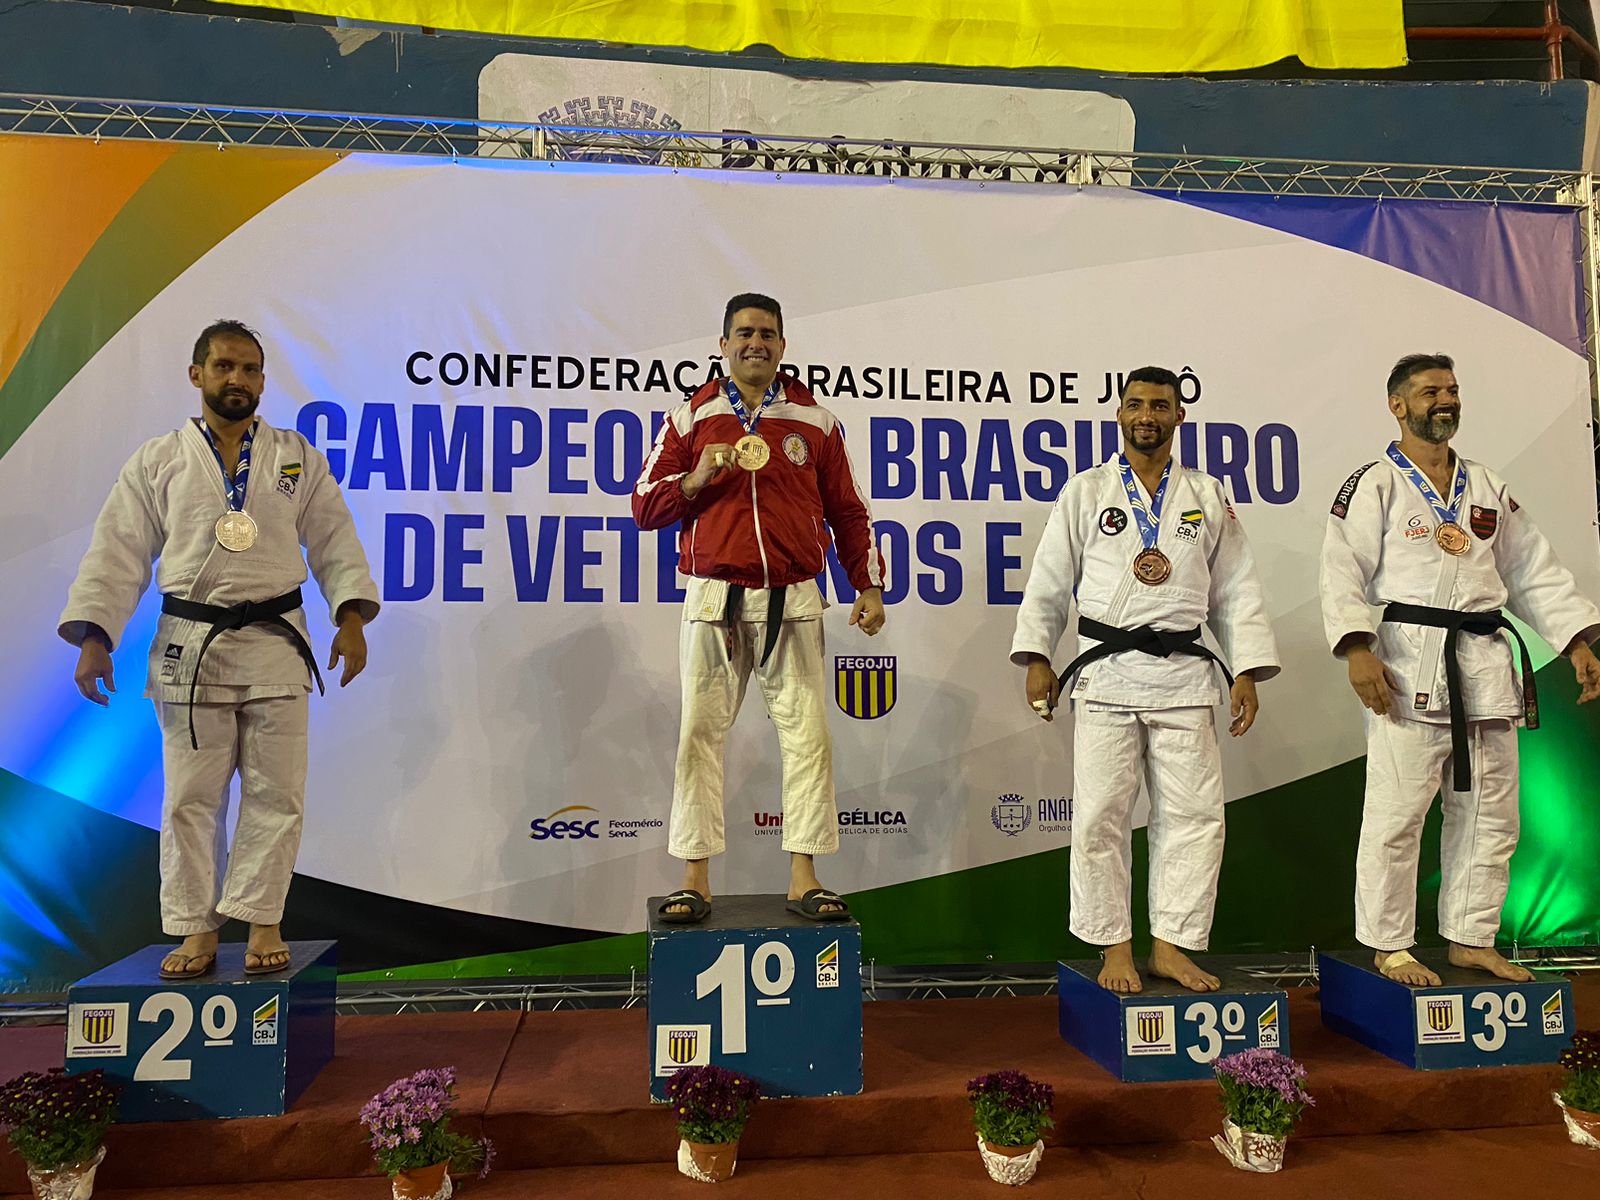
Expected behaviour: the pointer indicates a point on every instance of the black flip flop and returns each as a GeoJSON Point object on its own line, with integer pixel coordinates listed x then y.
{"type": "Point", "coordinates": [810, 905]}
{"type": "Point", "coordinates": [699, 908]}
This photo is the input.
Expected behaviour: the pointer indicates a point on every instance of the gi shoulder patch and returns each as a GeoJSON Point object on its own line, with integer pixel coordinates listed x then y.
{"type": "Point", "coordinates": [1113, 521]}
{"type": "Point", "coordinates": [1484, 522]}
{"type": "Point", "coordinates": [1341, 502]}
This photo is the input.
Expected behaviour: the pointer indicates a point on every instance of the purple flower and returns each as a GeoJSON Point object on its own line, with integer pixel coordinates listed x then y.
{"type": "Point", "coordinates": [1267, 1070]}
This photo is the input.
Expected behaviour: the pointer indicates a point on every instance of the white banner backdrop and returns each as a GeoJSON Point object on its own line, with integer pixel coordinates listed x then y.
{"type": "Point", "coordinates": [533, 668]}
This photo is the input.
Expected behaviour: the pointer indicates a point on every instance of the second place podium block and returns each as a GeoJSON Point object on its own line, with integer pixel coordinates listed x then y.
{"type": "Point", "coordinates": [758, 990]}
{"type": "Point", "coordinates": [1166, 1031]}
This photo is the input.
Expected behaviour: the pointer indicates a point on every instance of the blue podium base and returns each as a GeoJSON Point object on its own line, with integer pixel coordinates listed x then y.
{"type": "Point", "coordinates": [1167, 1032]}
{"type": "Point", "coordinates": [1471, 1020]}
{"type": "Point", "coordinates": [758, 990]}
{"type": "Point", "coordinates": [225, 1044]}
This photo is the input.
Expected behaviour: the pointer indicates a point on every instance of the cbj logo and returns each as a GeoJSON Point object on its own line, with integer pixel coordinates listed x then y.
{"type": "Point", "coordinates": [552, 828]}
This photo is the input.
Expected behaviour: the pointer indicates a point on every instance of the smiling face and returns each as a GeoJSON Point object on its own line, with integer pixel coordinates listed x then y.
{"type": "Point", "coordinates": [1148, 414]}
{"type": "Point", "coordinates": [1429, 405]}
{"type": "Point", "coordinates": [231, 379]}
{"type": "Point", "coordinates": [753, 347]}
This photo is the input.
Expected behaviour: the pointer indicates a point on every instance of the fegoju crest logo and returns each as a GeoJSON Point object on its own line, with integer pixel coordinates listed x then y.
{"type": "Point", "coordinates": [864, 687]}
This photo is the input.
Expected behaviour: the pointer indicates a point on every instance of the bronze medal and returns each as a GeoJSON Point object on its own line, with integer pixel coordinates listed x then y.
{"type": "Point", "coordinates": [1152, 567]}
{"type": "Point", "coordinates": [751, 452]}
{"type": "Point", "coordinates": [1452, 538]}
{"type": "Point", "coordinates": [236, 531]}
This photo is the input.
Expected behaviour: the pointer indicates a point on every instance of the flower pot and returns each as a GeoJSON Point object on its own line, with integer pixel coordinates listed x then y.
{"type": "Point", "coordinates": [1249, 1150]}
{"type": "Point", "coordinates": [72, 1182]}
{"type": "Point", "coordinates": [708, 1162]}
{"type": "Point", "coordinates": [423, 1183]}
{"type": "Point", "coordinates": [1582, 1127]}
{"type": "Point", "coordinates": [1011, 1165]}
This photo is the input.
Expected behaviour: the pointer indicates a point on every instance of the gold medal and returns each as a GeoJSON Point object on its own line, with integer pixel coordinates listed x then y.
{"type": "Point", "coordinates": [1452, 538]}
{"type": "Point", "coordinates": [751, 452]}
{"type": "Point", "coordinates": [1152, 567]}
{"type": "Point", "coordinates": [236, 531]}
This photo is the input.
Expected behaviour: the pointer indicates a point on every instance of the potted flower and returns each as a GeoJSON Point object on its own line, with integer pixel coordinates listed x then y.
{"type": "Point", "coordinates": [1579, 1096]}
{"type": "Point", "coordinates": [1262, 1098]}
{"type": "Point", "coordinates": [408, 1124]}
{"type": "Point", "coordinates": [1010, 1111]}
{"type": "Point", "coordinates": [711, 1105]}
{"type": "Point", "coordinates": [58, 1124]}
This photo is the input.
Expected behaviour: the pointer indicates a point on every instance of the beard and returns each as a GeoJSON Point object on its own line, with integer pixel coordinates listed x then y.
{"type": "Point", "coordinates": [231, 405]}
{"type": "Point", "coordinates": [1144, 441]}
{"type": "Point", "coordinates": [1436, 425]}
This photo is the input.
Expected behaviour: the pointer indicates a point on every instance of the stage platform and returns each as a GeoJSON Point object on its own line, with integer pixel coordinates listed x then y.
{"type": "Point", "coordinates": [565, 1090]}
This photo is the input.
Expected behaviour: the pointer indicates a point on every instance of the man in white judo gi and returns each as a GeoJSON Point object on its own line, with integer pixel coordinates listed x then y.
{"type": "Point", "coordinates": [222, 507]}
{"type": "Point", "coordinates": [1151, 550]}
{"type": "Point", "coordinates": [756, 471]}
{"type": "Point", "coordinates": [1439, 682]}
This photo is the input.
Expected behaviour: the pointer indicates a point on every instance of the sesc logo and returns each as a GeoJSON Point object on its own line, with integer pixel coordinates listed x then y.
{"type": "Point", "coordinates": [554, 828]}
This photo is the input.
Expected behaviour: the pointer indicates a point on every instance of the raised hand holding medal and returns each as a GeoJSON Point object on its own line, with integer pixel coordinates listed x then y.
{"type": "Point", "coordinates": [751, 451]}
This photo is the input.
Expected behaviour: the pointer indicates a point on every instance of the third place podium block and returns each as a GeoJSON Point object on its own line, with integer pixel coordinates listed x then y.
{"type": "Point", "coordinates": [1472, 1020]}
{"type": "Point", "coordinates": [223, 1044]}
{"type": "Point", "coordinates": [758, 990]}
{"type": "Point", "coordinates": [1166, 1031]}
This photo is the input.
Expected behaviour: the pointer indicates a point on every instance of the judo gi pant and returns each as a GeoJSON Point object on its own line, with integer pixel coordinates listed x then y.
{"type": "Point", "coordinates": [1174, 750]}
{"type": "Point", "coordinates": [796, 694]}
{"type": "Point", "coordinates": [203, 883]}
{"type": "Point", "coordinates": [1407, 763]}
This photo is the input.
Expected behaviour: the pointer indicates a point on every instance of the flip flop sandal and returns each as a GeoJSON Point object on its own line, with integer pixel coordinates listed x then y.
{"type": "Point", "coordinates": [699, 908]}
{"type": "Point", "coordinates": [210, 959]}
{"type": "Point", "coordinates": [810, 905]}
{"type": "Point", "coordinates": [264, 969]}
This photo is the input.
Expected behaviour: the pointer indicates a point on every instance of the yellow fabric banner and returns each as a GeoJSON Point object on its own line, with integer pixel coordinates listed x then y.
{"type": "Point", "coordinates": [1164, 36]}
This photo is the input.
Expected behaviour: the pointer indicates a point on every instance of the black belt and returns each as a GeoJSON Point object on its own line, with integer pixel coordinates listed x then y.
{"type": "Point", "coordinates": [1482, 624]}
{"type": "Point", "coordinates": [265, 612]}
{"type": "Point", "coordinates": [774, 618]}
{"type": "Point", "coordinates": [1144, 639]}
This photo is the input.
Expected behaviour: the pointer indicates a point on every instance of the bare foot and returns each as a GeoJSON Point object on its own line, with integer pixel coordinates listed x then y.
{"type": "Point", "coordinates": [194, 957]}
{"type": "Point", "coordinates": [1118, 974]}
{"type": "Point", "coordinates": [803, 878]}
{"type": "Point", "coordinates": [1487, 958]}
{"type": "Point", "coordinates": [1407, 970]}
{"type": "Point", "coordinates": [1167, 961]}
{"type": "Point", "coordinates": [696, 878]}
{"type": "Point", "coordinates": [266, 950]}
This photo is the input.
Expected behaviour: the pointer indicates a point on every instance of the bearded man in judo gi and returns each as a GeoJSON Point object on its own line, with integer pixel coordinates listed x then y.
{"type": "Point", "coordinates": [1149, 551]}
{"type": "Point", "coordinates": [1437, 678]}
{"type": "Point", "coordinates": [222, 507]}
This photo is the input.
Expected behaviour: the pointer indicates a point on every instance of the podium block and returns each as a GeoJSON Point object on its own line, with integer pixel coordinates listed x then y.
{"type": "Point", "coordinates": [1471, 1020]}
{"type": "Point", "coordinates": [1167, 1032]}
{"type": "Point", "coordinates": [224, 1045]}
{"type": "Point", "coordinates": [758, 990]}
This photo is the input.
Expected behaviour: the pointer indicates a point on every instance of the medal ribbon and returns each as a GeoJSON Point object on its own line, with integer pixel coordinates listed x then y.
{"type": "Point", "coordinates": [1411, 471]}
{"type": "Point", "coordinates": [1149, 522]}
{"type": "Point", "coordinates": [234, 487]}
{"type": "Point", "coordinates": [737, 401]}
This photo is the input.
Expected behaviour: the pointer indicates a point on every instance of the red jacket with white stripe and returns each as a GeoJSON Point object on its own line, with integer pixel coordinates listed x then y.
{"type": "Point", "coordinates": [766, 528]}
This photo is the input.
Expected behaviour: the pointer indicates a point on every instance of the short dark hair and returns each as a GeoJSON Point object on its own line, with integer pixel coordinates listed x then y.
{"type": "Point", "coordinates": [750, 300]}
{"type": "Point", "coordinates": [1156, 375]}
{"type": "Point", "coordinates": [1415, 364]}
{"type": "Point", "coordinates": [225, 328]}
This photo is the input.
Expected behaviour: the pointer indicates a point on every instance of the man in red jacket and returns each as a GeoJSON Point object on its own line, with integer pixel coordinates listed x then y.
{"type": "Point", "coordinates": [754, 468]}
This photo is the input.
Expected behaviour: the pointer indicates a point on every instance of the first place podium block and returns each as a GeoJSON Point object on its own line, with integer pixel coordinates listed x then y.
{"type": "Point", "coordinates": [1472, 1020]}
{"type": "Point", "coordinates": [1167, 1032]}
{"type": "Point", "coordinates": [758, 990]}
{"type": "Point", "coordinates": [225, 1044]}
